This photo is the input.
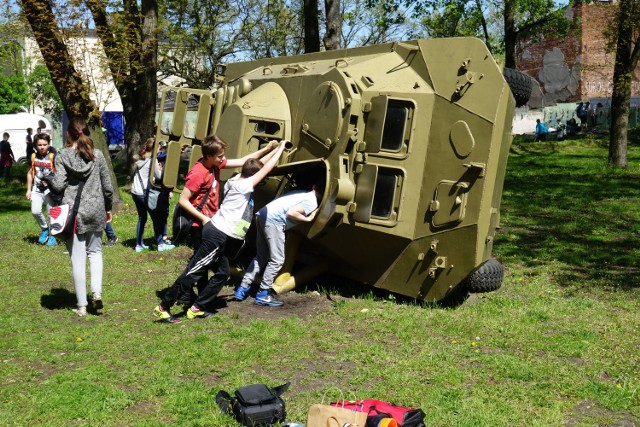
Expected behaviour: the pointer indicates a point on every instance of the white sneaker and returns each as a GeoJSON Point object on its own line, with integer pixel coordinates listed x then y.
{"type": "Point", "coordinates": [80, 311]}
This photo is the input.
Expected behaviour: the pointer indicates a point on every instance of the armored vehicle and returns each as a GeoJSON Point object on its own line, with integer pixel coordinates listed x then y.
{"type": "Point", "coordinates": [410, 138]}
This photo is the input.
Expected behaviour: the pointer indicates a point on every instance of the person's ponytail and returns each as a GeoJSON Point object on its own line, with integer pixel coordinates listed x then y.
{"type": "Point", "coordinates": [78, 134]}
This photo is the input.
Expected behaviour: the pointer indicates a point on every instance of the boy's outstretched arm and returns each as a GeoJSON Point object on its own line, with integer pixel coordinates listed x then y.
{"type": "Point", "coordinates": [237, 163]}
{"type": "Point", "coordinates": [296, 213]}
{"type": "Point", "coordinates": [269, 162]}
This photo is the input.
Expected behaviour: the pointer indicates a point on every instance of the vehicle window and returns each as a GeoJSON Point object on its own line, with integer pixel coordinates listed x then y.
{"type": "Point", "coordinates": [191, 118]}
{"type": "Point", "coordinates": [384, 195]}
{"type": "Point", "coordinates": [393, 134]}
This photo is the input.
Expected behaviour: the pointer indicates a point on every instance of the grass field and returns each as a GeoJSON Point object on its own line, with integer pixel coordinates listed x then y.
{"type": "Point", "coordinates": [557, 345]}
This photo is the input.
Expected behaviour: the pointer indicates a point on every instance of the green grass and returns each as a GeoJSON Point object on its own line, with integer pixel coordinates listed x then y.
{"type": "Point", "coordinates": [556, 345]}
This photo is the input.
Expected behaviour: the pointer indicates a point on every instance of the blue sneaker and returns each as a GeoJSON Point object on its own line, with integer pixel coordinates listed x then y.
{"type": "Point", "coordinates": [165, 247]}
{"type": "Point", "coordinates": [44, 235]}
{"type": "Point", "coordinates": [51, 241]}
{"type": "Point", "coordinates": [141, 248]}
{"type": "Point", "coordinates": [267, 298]}
{"type": "Point", "coordinates": [241, 293]}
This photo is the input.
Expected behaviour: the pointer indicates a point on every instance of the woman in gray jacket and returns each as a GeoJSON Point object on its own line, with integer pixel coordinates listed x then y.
{"type": "Point", "coordinates": [77, 162]}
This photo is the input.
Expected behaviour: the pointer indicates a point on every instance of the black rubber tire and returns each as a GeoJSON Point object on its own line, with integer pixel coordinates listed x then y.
{"type": "Point", "coordinates": [520, 85]}
{"type": "Point", "coordinates": [486, 278]}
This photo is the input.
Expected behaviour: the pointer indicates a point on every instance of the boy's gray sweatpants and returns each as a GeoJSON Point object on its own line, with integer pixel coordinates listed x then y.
{"type": "Point", "coordinates": [80, 247]}
{"type": "Point", "coordinates": [269, 256]}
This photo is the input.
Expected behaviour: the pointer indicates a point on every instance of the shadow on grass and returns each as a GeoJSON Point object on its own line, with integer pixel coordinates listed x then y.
{"type": "Point", "coordinates": [58, 299]}
{"type": "Point", "coordinates": [62, 299]}
{"type": "Point", "coordinates": [570, 208]}
{"type": "Point", "coordinates": [352, 289]}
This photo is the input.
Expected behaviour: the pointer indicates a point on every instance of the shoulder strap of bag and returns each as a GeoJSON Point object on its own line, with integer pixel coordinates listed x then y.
{"type": "Point", "coordinates": [206, 195]}
{"type": "Point", "coordinates": [76, 202]}
{"type": "Point", "coordinates": [281, 389]}
{"type": "Point", "coordinates": [224, 401]}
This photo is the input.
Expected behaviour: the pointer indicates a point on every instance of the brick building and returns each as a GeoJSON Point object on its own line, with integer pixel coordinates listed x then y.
{"type": "Point", "coordinates": [578, 67]}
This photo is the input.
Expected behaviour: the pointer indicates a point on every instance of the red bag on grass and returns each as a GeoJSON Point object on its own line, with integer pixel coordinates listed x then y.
{"type": "Point", "coordinates": [405, 417]}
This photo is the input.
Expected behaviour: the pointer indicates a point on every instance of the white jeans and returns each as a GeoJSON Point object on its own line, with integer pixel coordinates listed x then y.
{"type": "Point", "coordinates": [81, 246]}
{"type": "Point", "coordinates": [37, 199]}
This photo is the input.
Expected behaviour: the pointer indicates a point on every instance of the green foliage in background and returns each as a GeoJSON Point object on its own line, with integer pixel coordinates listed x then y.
{"type": "Point", "coordinates": [13, 93]}
{"type": "Point", "coordinates": [43, 92]}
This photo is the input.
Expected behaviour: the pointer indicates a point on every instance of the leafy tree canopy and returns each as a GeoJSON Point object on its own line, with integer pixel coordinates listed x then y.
{"type": "Point", "coordinates": [43, 91]}
{"type": "Point", "coordinates": [13, 93]}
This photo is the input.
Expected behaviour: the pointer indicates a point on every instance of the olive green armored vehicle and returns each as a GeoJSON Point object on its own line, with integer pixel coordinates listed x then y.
{"type": "Point", "coordinates": [410, 138]}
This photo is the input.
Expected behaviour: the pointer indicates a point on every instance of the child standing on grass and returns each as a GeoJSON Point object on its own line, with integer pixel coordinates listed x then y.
{"type": "Point", "coordinates": [541, 131]}
{"type": "Point", "coordinates": [78, 162]}
{"type": "Point", "coordinates": [222, 238]}
{"type": "Point", "coordinates": [28, 140]}
{"type": "Point", "coordinates": [42, 165]}
{"type": "Point", "coordinates": [138, 187]}
{"type": "Point", "coordinates": [6, 156]}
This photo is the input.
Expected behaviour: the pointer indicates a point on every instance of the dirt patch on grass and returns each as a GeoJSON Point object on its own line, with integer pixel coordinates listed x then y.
{"type": "Point", "coordinates": [295, 304]}
{"type": "Point", "coordinates": [589, 412]}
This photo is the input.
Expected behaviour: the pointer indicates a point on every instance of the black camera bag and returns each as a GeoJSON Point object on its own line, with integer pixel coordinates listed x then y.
{"type": "Point", "coordinates": [255, 405]}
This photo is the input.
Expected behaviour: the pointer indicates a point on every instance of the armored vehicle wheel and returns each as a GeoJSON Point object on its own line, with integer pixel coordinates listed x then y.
{"type": "Point", "coordinates": [520, 85]}
{"type": "Point", "coordinates": [487, 278]}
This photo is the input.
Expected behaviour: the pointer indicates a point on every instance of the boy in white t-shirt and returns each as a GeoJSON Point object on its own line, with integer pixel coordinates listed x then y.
{"type": "Point", "coordinates": [222, 237]}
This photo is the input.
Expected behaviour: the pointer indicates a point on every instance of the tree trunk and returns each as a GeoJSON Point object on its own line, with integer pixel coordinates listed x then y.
{"type": "Point", "coordinates": [138, 86]}
{"type": "Point", "coordinates": [510, 34]}
{"type": "Point", "coordinates": [139, 99]}
{"type": "Point", "coordinates": [311, 27]}
{"type": "Point", "coordinates": [334, 24]}
{"type": "Point", "coordinates": [622, 78]}
{"type": "Point", "coordinates": [73, 92]}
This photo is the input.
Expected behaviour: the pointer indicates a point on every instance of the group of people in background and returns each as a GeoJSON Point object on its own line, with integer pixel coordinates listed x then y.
{"type": "Point", "coordinates": [217, 232]}
{"type": "Point", "coordinates": [586, 115]}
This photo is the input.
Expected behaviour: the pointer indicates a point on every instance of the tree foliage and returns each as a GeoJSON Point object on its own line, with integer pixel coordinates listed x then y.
{"type": "Point", "coordinates": [500, 23]}
{"type": "Point", "coordinates": [197, 37]}
{"type": "Point", "coordinates": [366, 23]}
{"type": "Point", "coordinates": [273, 29]}
{"type": "Point", "coordinates": [13, 93]}
{"type": "Point", "coordinates": [43, 91]}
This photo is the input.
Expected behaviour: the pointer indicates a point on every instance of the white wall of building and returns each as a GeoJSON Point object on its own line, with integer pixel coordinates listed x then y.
{"type": "Point", "coordinates": [90, 62]}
